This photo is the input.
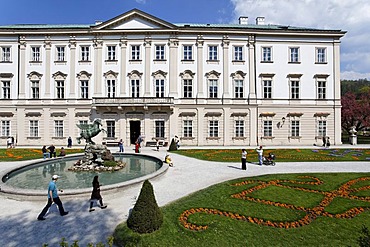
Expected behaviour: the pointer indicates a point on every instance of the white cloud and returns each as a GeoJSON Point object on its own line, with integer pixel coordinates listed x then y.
{"type": "Point", "coordinates": [348, 15]}
{"type": "Point", "coordinates": [141, 1]}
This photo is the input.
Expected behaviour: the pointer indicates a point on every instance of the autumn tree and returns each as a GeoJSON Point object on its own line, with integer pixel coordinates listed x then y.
{"type": "Point", "coordinates": [355, 111]}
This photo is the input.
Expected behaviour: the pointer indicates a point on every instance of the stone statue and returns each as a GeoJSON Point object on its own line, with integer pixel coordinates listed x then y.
{"type": "Point", "coordinates": [88, 131]}
{"type": "Point", "coordinates": [353, 131]}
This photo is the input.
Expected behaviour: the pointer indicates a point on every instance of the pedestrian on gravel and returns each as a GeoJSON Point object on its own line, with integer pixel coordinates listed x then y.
{"type": "Point", "coordinates": [244, 159]}
{"type": "Point", "coordinates": [95, 194]}
{"type": "Point", "coordinates": [260, 155]}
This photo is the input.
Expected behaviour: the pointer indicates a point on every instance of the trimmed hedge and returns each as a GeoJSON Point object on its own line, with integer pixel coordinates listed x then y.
{"type": "Point", "coordinates": [146, 217]}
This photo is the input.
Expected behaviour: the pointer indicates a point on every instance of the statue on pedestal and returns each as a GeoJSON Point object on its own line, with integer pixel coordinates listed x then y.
{"type": "Point", "coordinates": [88, 131]}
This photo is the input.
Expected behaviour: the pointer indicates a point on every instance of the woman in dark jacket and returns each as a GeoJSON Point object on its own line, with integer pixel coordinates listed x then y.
{"type": "Point", "coordinates": [95, 195]}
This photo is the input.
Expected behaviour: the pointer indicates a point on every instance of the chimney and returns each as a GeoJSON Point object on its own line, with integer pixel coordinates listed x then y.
{"type": "Point", "coordinates": [243, 20]}
{"type": "Point", "coordinates": [260, 21]}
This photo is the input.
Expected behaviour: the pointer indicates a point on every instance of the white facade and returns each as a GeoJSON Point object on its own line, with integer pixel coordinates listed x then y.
{"type": "Point", "coordinates": [208, 84]}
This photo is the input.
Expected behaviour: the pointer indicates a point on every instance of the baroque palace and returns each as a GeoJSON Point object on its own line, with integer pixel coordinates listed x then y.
{"type": "Point", "coordinates": [242, 84]}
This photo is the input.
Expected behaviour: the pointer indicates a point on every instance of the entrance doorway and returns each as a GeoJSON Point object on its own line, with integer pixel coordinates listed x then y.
{"type": "Point", "coordinates": [134, 131]}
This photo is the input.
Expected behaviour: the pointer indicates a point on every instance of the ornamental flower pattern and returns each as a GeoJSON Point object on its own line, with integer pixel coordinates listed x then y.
{"type": "Point", "coordinates": [344, 191]}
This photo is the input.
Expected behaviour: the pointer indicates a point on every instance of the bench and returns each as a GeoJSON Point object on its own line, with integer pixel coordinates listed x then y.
{"type": "Point", "coordinates": [154, 143]}
{"type": "Point", "coordinates": [111, 143]}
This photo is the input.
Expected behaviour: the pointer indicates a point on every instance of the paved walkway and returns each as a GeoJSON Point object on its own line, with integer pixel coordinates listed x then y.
{"type": "Point", "coordinates": [19, 227]}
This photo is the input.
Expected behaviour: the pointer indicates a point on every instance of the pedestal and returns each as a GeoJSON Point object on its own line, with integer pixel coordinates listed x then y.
{"type": "Point", "coordinates": [353, 140]}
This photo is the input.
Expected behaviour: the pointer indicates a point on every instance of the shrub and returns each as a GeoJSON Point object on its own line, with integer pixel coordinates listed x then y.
{"type": "Point", "coordinates": [364, 239]}
{"type": "Point", "coordinates": [146, 217]}
{"type": "Point", "coordinates": [110, 163]}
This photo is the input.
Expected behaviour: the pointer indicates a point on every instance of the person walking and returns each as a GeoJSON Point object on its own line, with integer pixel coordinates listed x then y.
{"type": "Point", "coordinates": [244, 159]}
{"type": "Point", "coordinates": [53, 198]}
{"type": "Point", "coordinates": [260, 155]}
{"type": "Point", "coordinates": [45, 152]}
{"type": "Point", "coordinates": [95, 194]}
{"type": "Point", "coordinates": [120, 145]}
{"type": "Point", "coordinates": [157, 144]}
{"type": "Point", "coordinates": [69, 142]}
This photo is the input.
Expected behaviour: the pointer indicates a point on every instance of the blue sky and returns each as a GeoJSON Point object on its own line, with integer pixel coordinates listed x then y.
{"type": "Point", "coordinates": [349, 15]}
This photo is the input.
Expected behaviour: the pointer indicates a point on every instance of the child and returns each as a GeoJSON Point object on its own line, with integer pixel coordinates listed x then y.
{"type": "Point", "coordinates": [157, 144]}
{"type": "Point", "coordinates": [168, 160]}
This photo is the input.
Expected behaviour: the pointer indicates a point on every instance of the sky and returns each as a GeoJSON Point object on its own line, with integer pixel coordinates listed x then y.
{"type": "Point", "coordinates": [352, 16]}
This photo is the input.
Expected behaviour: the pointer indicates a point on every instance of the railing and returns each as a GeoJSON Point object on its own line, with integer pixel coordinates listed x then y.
{"type": "Point", "coordinates": [132, 101]}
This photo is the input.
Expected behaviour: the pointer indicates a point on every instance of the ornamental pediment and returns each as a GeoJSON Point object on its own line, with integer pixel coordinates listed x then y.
{"type": "Point", "coordinates": [134, 19]}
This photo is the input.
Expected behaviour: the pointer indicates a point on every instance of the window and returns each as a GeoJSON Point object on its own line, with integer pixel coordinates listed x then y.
{"type": "Point", "coordinates": [188, 52]}
{"type": "Point", "coordinates": [159, 88]}
{"type": "Point", "coordinates": [84, 89]}
{"type": "Point", "coordinates": [188, 88]}
{"type": "Point", "coordinates": [188, 128]}
{"type": "Point", "coordinates": [213, 88]}
{"type": "Point", "coordinates": [135, 88]}
{"type": "Point", "coordinates": [85, 53]}
{"type": "Point", "coordinates": [60, 53]}
{"type": "Point", "coordinates": [238, 53]}
{"type": "Point", "coordinates": [212, 55]}
{"type": "Point", "coordinates": [159, 52]}
{"type": "Point", "coordinates": [321, 128]}
{"type": "Point", "coordinates": [6, 89]}
{"type": "Point", "coordinates": [267, 128]}
{"type": "Point", "coordinates": [321, 89]}
{"type": "Point", "coordinates": [111, 129]}
{"type": "Point", "coordinates": [159, 129]}
{"type": "Point", "coordinates": [35, 89]}
{"type": "Point", "coordinates": [34, 128]}
{"type": "Point", "coordinates": [266, 54]}
{"type": "Point", "coordinates": [239, 128]}
{"type": "Point", "coordinates": [321, 55]}
{"type": "Point", "coordinates": [60, 89]}
{"type": "Point", "coordinates": [294, 89]}
{"type": "Point", "coordinates": [295, 128]}
{"type": "Point", "coordinates": [238, 88]}
{"type": "Point", "coordinates": [5, 128]}
{"type": "Point", "coordinates": [267, 89]}
{"type": "Point", "coordinates": [58, 128]}
{"type": "Point", "coordinates": [111, 88]}
{"type": "Point", "coordinates": [213, 128]}
{"type": "Point", "coordinates": [294, 54]}
{"type": "Point", "coordinates": [5, 54]}
{"type": "Point", "coordinates": [111, 52]}
{"type": "Point", "coordinates": [82, 122]}
{"type": "Point", "coordinates": [135, 52]}
{"type": "Point", "coordinates": [35, 55]}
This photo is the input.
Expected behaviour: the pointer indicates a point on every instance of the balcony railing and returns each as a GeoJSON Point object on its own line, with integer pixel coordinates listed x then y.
{"type": "Point", "coordinates": [127, 101]}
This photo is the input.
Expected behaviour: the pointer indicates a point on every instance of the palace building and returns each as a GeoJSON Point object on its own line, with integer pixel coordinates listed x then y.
{"type": "Point", "coordinates": [242, 84]}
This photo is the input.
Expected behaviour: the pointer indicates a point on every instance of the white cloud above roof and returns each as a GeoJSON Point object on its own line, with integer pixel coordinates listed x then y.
{"type": "Point", "coordinates": [348, 15]}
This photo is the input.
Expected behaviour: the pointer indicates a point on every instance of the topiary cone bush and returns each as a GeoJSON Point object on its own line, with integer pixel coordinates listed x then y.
{"type": "Point", "coordinates": [173, 146]}
{"type": "Point", "coordinates": [146, 217]}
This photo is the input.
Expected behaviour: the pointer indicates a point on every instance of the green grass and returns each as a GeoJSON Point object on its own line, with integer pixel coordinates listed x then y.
{"type": "Point", "coordinates": [226, 231]}
{"type": "Point", "coordinates": [16, 154]}
{"type": "Point", "coordinates": [283, 155]}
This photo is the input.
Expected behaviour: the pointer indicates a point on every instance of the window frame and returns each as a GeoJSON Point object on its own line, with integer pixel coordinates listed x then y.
{"type": "Point", "coordinates": [111, 87]}
{"type": "Point", "coordinates": [85, 53]}
{"type": "Point", "coordinates": [321, 57]}
{"type": "Point", "coordinates": [213, 88]}
{"type": "Point", "coordinates": [5, 128]}
{"type": "Point", "coordinates": [58, 128]}
{"type": "Point", "coordinates": [111, 128]}
{"type": "Point", "coordinates": [294, 88]}
{"type": "Point", "coordinates": [5, 89]}
{"type": "Point", "coordinates": [135, 53]}
{"type": "Point", "coordinates": [188, 53]}
{"type": "Point", "coordinates": [159, 129]}
{"type": "Point", "coordinates": [267, 89]}
{"type": "Point", "coordinates": [238, 89]}
{"type": "Point", "coordinates": [213, 53]}
{"type": "Point", "coordinates": [160, 52]}
{"type": "Point", "coordinates": [321, 89]}
{"type": "Point", "coordinates": [294, 54]}
{"type": "Point", "coordinates": [267, 128]}
{"type": "Point", "coordinates": [35, 89]}
{"type": "Point", "coordinates": [239, 127]}
{"type": "Point", "coordinates": [84, 89]}
{"type": "Point", "coordinates": [322, 128]}
{"type": "Point", "coordinates": [6, 54]}
{"type": "Point", "coordinates": [266, 54]}
{"type": "Point", "coordinates": [36, 54]}
{"type": "Point", "coordinates": [295, 128]}
{"type": "Point", "coordinates": [34, 128]}
{"type": "Point", "coordinates": [60, 89]}
{"type": "Point", "coordinates": [187, 88]}
{"type": "Point", "coordinates": [60, 53]}
{"type": "Point", "coordinates": [159, 87]}
{"type": "Point", "coordinates": [111, 53]}
{"type": "Point", "coordinates": [238, 54]}
{"type": "Point", "coordinates": [188, 128]}
{"type": "Point", "coordinates": [213, 127]}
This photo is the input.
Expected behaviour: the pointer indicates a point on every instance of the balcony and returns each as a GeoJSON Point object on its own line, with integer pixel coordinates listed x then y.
{"type": "Point", "coordinates": [132, 102]}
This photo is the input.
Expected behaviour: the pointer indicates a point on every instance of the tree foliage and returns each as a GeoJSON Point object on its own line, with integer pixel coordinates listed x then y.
{"type": "Point", "coordinates": [146, 216]}
{"type": "Point", "coordinates": [355, 86]}
{"type": "Point", "coordinates": [355, 111]}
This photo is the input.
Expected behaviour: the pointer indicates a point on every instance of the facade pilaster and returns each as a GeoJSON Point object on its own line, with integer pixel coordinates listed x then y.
{"type": "Point", "coordinates": [98, 74]}
{"type": "Point", "coordinates": [173, 69]}
{"type": "Point", "coordinates": [253, 126]}
{"type": "Point", "coordinates": [200, 62]}
{"type": "Point", "coordinates": [22, 67]}
{"type": "Point", "coordinates": [200, 125]}
{"type": "Point", "coordinates": [123, 45]}
{"type": "Point", "coordinates": [147, 61]}
{"type": "Point", "coordinates": [337, 94]}
{"type": "Point", "coordinates": [46, 123]}
{"type": "Point", "coordinates": [22, 126]}
{"type": "Point", "coordinates": [47, 79]}
{"type": "Point", "coordinates": [226, 129]}
{"type": "Point", "coordinates": [71, 123]}
{"type": "Point", "coordinates": [72, 67]}
{"type": "Point", "coordinates": [252, 69]}
{"type": "Point", "coordinates": [225, 68]}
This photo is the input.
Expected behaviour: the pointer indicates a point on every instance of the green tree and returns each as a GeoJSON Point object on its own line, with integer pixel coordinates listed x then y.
{"type": "Point", "coordinates": [146, 216]}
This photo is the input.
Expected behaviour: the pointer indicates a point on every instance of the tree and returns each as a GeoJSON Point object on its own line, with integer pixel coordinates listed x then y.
{"type": "Point", "coordinates": [355, 111]}
{"type": "Point", "coordinates": [146, 216]}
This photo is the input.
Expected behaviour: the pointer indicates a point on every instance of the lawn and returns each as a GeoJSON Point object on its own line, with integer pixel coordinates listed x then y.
{"type": "Point", "coordinates": [16, 154]}
{"type": "Point", "coordinates": [284, 155]}
{"type": "Point", "coordinates": [269, 210]}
